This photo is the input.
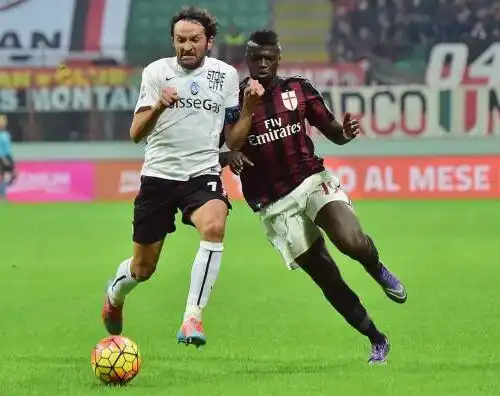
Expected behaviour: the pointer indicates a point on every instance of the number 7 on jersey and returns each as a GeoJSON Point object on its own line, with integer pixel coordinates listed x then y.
{"type": "Point", "coordinates": [212, 185]}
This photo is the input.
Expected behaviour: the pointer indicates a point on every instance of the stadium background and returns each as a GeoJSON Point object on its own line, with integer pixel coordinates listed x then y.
{"type": "Point", "coordinates": [423, 76]}
{"type": "Point", "coordinates": [393, 82]}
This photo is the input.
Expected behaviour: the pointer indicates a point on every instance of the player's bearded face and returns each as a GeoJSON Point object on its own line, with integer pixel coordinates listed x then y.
{"type": "Point", "coordinates": [191, 43]}
{"type": "Point", "coordinates": [263, 63]}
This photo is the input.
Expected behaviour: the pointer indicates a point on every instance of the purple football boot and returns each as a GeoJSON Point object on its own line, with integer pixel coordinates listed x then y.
{"type": "Point", "coordinates": [392, 286]}
{"type": "Point", "coordinates": [379, 352]}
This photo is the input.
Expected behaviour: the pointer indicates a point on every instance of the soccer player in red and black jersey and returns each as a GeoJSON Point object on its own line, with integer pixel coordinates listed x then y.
{"type": "Point", "coordinates": [295, 196]}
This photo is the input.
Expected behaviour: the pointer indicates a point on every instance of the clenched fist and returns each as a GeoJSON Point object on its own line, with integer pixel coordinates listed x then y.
{"type": "Point", "coordinates": [252, 94]}
{"type": "Point", "coordinates": [168, 97]}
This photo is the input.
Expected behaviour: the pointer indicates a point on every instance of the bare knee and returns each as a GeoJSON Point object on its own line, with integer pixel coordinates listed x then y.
{"type": "Point", "coordinates": [213, 229]}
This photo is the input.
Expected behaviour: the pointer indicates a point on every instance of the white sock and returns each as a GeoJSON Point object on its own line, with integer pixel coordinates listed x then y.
{"type": "Point", "coordinates": [203, 276]}
{"type": "Point", "coordinates": [122, 284]}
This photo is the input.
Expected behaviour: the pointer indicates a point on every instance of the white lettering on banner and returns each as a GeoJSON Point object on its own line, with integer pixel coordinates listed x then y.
{"type": "Point", "coordinates": [381, 179]}
{"type": "Point", "coordinates": [101, 93]}
{"type": "Point", "coordinates": [449, 178]}
{"type": "Point", "coordinates": [64, 98]}
{"type": "Point", "coordinates": [420, 111]}
{"type": "Point", "coordinates": [41, 31]}
{"type": "Point", "coordinates": [36, 40]}
{"type": "Point", "coordinates": [46, 34]}
{"type": "Point", "coordinates": [120, 99]}
{"type": "Point", "coordinates": [51, 183]}
{"type": "Point", "coordinates": [130, 181]}
{"type": "Point", "coordinates": [8, 100]}
{"type": "Point", "coordinates": [448, 66]}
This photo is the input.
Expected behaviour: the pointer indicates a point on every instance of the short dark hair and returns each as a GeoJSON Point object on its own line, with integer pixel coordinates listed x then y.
{"type": "Point", "coordinates": [265, 37]}
{"type": "Point", "coordinates": [200, 15]}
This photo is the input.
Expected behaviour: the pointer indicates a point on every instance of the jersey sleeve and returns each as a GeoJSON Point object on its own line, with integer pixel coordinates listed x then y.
{"type": "Point", "coordinates": [150, 90]}
{"type": "Point", "coordinates": [231, 101]}
{"type": "Point", "coordinates": [317, 112]}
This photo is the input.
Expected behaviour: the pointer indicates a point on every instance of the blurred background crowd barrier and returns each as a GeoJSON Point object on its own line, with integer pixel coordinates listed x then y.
{"type": "Point", "coordinates": [423, 76]}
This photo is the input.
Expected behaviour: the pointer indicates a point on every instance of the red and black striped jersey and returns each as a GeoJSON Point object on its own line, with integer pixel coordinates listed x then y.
{"type": "Point", "coordinates": [278, 143]}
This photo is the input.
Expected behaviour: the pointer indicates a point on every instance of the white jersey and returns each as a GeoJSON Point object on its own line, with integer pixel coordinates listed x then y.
{"type": "Point", "coordinates": [185, 140]}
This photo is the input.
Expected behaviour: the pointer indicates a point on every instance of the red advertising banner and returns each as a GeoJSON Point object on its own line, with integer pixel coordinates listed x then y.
{"type": "Point", "coordinates": [408, 177]}
{"type": "Point", "coordinates": [419, 177]}
{"type": "Point", "coordinates": [117, 180]}
{"type": "Point", "coordinates": [441, 177]}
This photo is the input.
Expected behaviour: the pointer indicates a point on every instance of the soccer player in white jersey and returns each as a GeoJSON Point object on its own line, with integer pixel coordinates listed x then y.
{"type": "Point", "coordinates": [183, 105]}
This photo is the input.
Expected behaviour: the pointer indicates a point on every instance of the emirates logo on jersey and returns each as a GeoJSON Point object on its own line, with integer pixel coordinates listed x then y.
{"type": "Point", "coordinates": [276, 131]}
{"type": "Point", "coordinates": [6, 4]}
{"type": "Point", "coordinates": [289, 100]}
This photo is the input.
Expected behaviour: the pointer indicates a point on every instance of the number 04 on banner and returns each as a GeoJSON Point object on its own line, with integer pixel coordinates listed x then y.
{"type": "Point", "coordinates": [449, 66]}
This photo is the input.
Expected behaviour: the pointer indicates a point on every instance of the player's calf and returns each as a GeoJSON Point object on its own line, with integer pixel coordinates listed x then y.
{"type": "Point", "coordinates": [209, 220]}
{"type": "Point", "coordinates": [143, 264]}
{"type": "Point", "coordinates": [367, 254]}
{"type": "Point", "coordinates": [344, 230]}
{"type": "Point", "coordinates": [128, 275]}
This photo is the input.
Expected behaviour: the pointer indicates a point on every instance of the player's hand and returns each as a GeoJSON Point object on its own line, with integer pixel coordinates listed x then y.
{"type": "Point", "coordinates": [169, 96]}
{"type": "Point", "coordinates": [252, 94]}
{"type": "Point", "coordinates": [351, 127]}
{"type": "Point", "coordinates": [237, 161]}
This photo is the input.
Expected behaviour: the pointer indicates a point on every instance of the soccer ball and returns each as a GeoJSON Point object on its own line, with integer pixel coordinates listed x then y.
{"type": "Point", "coordinates": [116, 360]}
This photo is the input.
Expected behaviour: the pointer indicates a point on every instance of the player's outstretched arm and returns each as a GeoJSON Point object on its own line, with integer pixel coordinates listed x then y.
{"type": "Point", "coordinates": [145, 118]}
{"type": "Point", "coordinates": [144, 121]}
{"type": "Point", "coordinates": [237, 133]}
{"type": "Point", "coordinates": [341, 133]}
{"type": "Point", "coordinates": [320, 116]}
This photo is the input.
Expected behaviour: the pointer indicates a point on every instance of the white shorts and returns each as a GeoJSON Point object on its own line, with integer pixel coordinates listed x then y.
{"type": "Point", "coordinates": [289, 222]}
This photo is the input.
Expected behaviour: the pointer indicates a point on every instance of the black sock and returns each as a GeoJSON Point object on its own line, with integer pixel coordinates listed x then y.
{"type": "Point", "coordinates": [375, 336]}
{"type": "Point", "coordinates": [322, 269]}
{"type": "Point", "coordinates": [347, 303]}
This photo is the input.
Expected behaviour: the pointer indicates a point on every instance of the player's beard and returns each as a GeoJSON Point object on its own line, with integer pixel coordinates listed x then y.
{"type": "Point", "coordinates": [191, 61]}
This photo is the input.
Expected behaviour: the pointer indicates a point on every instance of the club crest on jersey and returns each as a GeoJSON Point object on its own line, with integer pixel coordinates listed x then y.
{"type": "Point", "coordinates": [289, 100]}
{"type": "Point", "coordinates": [195, 88]}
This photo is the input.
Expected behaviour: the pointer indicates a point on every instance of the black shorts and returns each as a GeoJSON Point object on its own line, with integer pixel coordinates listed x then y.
{"type": "Point", "coordinates": [159, 199]}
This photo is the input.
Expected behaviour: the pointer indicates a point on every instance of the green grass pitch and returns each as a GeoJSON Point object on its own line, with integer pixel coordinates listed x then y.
{"type": "Point", "coordinates": [270, 332]}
